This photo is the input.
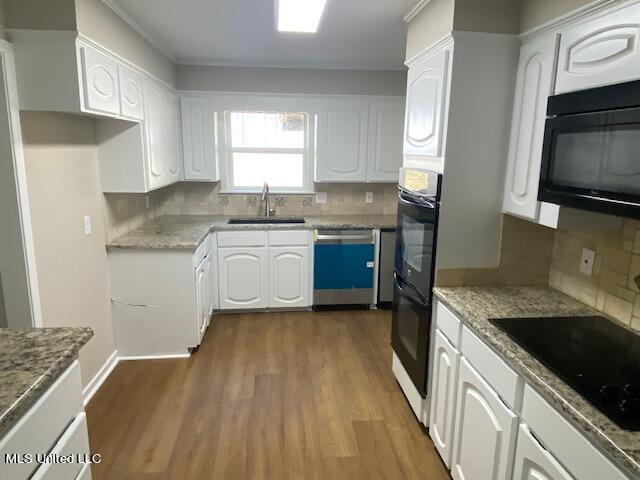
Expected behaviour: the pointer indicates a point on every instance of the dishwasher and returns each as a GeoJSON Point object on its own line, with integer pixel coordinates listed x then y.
{"type": "Point", "coordinates": [343, 267]}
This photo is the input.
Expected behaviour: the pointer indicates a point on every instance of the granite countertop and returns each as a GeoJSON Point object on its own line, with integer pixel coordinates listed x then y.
{"type": "Point", "coordinates": [476, 305]}
{"type": "Point", "coordinates": [188, 231]}
{"type": "Point", "coordinates": [30, 361]}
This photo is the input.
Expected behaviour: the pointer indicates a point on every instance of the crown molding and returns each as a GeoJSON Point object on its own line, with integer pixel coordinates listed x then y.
{"type": "Point", "coordinates": [115, 8]}
{"type": "Point", "coordinates": [447, 39]}
{"type": "Point", "coordinates": [415, 10]}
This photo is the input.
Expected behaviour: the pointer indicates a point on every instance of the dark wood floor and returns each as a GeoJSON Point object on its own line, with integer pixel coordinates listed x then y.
{"type": "Point", "coordinates": [267, 396]}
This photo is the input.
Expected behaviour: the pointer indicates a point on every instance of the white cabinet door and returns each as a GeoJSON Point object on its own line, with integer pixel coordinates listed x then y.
{"type": "Point", "coordinates": [534, 85]}
{"type": "Point", "coordinates": [534, 462]}
{"type": "Point", "coordinates": [384, 155]}
{"type": "Point", "coordinates": [202, 297]}
{"type": "Point", "coordinates": [427, 98]}
{"type": "Point", "coordinates": [342, 155]}
{"type": "Point", "coordinates": [198, 139]}
{"type": "Point", "coordinates": [289, 277]}
{"type": "Point", "coordinates": [100, 80]}
{"type": "Point", "coordinates": [242, 275]}
{"type": "Point", "coordinates": [484, 432]}
{"type": "Point", "coordinates": [131, 96]}
{"type": "Point", "coordinates": [172, 138]}
{"type": "Point", "coordinates": [155, 136]}
{"type": "Point", "coordinates": [601, 51]}
{"type": "Point", "coordinates": [443, 395]}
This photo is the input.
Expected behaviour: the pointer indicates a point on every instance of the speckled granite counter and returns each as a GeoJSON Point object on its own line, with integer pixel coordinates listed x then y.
{"type": "Point", "coordinates": [476, 305]}
{"type": "Point", "coordinates": [188, 231]}
{"type": "Point", "coordinates": [30, 361]}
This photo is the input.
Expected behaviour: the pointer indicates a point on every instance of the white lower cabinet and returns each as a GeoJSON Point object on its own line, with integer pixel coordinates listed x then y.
{"type": "Point", "coordinates": [443, 395]}
{"type": "Point", "coordinates": [485, 430]}
{"type": "Point", "coordinates": [243, 277]}
{"type": "Point", "coordinates": [203, 295]}
{"type": "Point", "coordinates": [534, 462]}
{"type": "Point", "coordinates": [289, 277]}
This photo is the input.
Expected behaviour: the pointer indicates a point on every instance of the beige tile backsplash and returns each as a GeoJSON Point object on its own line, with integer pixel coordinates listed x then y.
{"type": "Point", "coordinates": [125, 212]}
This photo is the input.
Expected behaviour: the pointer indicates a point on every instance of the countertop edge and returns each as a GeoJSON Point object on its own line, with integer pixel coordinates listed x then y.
{"type": "Point", "coordinates": [598, 437]}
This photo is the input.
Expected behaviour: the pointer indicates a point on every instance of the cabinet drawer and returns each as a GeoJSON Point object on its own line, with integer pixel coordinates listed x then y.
{"type": "Point", "coordinates": [284, 238]}
{"type": "Point", "coordinates": [493, 369]}
{"type": "Point", "coordinates": [242, 239]}
{"type": "Point", "coordinates": [448, 324]}
{"type": "Point", "coordinates": [202, 251]}
{"type": "Point", "coordinates": [74, 442]}
{"type": "Point", "coordinates": [575, 452]}
{"type": "Point", "coordinates": [38, 429]}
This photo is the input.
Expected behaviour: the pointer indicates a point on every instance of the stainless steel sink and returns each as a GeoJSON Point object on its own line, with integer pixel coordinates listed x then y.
{"type": "Point", "coordinates": [264, 220]}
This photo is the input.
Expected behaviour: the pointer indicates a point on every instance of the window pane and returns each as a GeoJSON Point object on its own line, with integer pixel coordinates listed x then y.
{"type": "Point", "coordinates": [278, 169]}
{"type": "Point", "coordinates": [267, 130]}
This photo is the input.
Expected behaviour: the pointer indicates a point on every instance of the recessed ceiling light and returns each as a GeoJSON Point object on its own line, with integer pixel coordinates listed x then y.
{"type": "Point", "coordinates": [301, 16]}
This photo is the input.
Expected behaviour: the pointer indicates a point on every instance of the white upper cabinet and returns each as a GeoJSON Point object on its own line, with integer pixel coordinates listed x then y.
{"type": "Point", "coordinates": [342, 142]}
{"type": "Point", "coordinates": [198, 140]}
{"type": "Point", "coordinates": [289, 273]}
{"type": "Point", "coordinates": [173, 147]}
{"type": "Point", "coordinates": [443, 395]}
{"type": "Point", "coordinates": [156, 145]}
{"type": "Point", "coordinates": [534, 462]}
{"type": "Point", "coordinates": [600, 51]}
{"type": "Point", "coordinates": [100, 79]}
{"type": "Point", "coordinates": [427, 93]}
{"type": "Point", "coordinates": [533, 87]}
{"type": "Point", "coordinates": [385, 140]}
{"type": "Point", "coordinates": [485, 430]}
{"type": "Point", "coordinates": [131, 95]}
{"type": "Point", "coordinates": [243, 277]}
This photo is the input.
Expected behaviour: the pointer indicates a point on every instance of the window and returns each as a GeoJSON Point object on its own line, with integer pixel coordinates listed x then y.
{"type": "Point", "coordinates": [270, 147]}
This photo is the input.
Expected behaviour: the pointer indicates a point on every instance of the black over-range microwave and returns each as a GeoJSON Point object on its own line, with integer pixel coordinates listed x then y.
{"type": "Point", "coordinates": [591, 151]}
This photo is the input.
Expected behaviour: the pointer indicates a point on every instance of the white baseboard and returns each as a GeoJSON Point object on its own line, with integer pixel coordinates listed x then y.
{"type": "Point", "coordinates": [155, 357]}
{"type": "Point", "coordinates": [96, 382]}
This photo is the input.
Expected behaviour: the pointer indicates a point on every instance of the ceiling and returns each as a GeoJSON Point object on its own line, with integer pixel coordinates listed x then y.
{"type": "Point", "coordinates": [353, 34]}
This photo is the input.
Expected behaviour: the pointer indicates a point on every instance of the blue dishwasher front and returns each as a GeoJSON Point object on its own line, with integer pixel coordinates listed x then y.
{"type": "Point", "coordinates": [343, 267]}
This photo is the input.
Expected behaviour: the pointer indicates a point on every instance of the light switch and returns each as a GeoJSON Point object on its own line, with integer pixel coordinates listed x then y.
{"type": "Point", "coordinates": [87, 224]}
{"type": "Point", "coordinates": [368, 198]}
{"type": "Point", "coordinates": [586, 261]}
{"type": "Point", "coordinates": [321, 197]}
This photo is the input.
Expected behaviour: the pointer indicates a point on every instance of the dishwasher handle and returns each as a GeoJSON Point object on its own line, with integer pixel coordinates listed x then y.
{"type": "Point", "coordinates": [331, 238]}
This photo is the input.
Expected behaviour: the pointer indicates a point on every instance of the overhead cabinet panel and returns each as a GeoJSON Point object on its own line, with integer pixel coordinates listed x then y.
{"type": "Point", "coordinates": [131, 95]}
{"type": "Point", "coordinates": [100, 79]}
{"type": "Point", "coordinates": [198, 139]}
{"type": "Point", "coordinates": [384, 155]}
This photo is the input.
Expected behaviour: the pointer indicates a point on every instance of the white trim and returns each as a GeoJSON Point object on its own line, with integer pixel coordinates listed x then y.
{"type": "Point", "coordinates": [6, 50]}
{"type": "Point", "coordinates": [99, 378]}
{"type": "Point", "coordinates": [416, 10]}
{"type": "Point", "coordinates": [577, 15]}
{"type": "Point", "coordinates": [154, 357]}
{"type": "Point", "coordinates": [208, 62]}
{"type": "Point", "coordinates": [448, 38]}
{"type": "Point", "coordinates": [119, 11]}
{"type": "Point", "coordinates": [320, 96]}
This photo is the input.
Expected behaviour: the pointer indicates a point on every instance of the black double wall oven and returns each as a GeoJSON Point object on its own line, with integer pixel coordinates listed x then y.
{"type": "Point", "coordinates": [418, 209]}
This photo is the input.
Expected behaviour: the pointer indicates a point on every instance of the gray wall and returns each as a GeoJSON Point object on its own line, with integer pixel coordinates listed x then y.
{"type": "Point", "coordinates": [3, 312]}
{"type": "Point", "coordinates": [287, 80]}
{"type": "Point", "coordinates": [537, 12]}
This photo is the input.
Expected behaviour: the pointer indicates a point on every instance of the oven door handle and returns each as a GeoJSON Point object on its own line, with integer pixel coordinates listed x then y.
{"type": "Point", "coordinates": [419, 203]}
{"type": "Point", "coordinates": [419, 300]}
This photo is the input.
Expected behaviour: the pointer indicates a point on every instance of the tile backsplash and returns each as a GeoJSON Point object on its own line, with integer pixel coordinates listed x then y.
{"type": "Point", "coordinates": [612, 288]}
{"type": "Point", "coordinates": [125, 212]}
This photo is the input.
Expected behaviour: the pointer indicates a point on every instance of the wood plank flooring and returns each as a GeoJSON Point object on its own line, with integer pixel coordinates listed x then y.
{"type": "Point", "coordinates": [273, 396]}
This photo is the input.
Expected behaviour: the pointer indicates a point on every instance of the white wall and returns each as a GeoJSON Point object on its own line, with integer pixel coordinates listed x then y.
{"type": "Point", "coordinates": [62, 175]}
{"type": "Point", "coordinates": [432, 23]}
{"type": "Point", "coordinates": [287, 80]}
{"type": "Point", "coordinates": [100, 23]}
{"type": "Point", "coordinates": [538, 12]}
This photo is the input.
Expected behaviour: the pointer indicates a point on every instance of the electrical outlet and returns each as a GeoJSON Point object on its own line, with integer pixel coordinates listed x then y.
{"type": "Point", "coordinates": [87, 224]}
{"type": "Point", "coordinates": [586, 261]}
{"type": "Point", "coordinates": [368, 198]}
{"type": "Point", "coordinates": [321, 197]}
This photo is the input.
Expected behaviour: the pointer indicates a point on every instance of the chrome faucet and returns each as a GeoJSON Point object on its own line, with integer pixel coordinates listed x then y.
{"type": "Point", "coordinates": [268, 211]}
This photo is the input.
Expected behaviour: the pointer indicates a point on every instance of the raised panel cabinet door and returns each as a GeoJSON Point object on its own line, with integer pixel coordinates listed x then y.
{"type": "Point", "coordinates": [198, 138]}
{"type": "Point", "coordinates": [443, 395]}
{"type": "Point", "coordinates": [201, 300]}
{"type": "Point", "coordinates": [131, 96]}
{"type": "Point", "coordinates": [289, 277]}
{"type": "Point", "coordinates": [343, 153]}
{"type": "Point", "coordinates": [154, 104]}
{"type": "Point", "coordinates": [601, 51]}
{"type": "Point", "coordinates": [172, 137]}
{"type": "Point", "coordinates": [484, 432]}
{"type": "Point", "coordinates": [100, 80]}
{"type": "Point", "coordinates": [427, 91]}
{"type": "Point", "coordinates": [534, 84]}
{"type": "Point", "coordinates": [386, 126]}
{"type": "Point", "coordinates": [534, 462]}
{"type": "Point", "coordinates": [243, 277]}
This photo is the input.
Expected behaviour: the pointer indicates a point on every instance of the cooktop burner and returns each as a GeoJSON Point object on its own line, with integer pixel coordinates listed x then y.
{"type": "Point", "coordinates": [596, 357]}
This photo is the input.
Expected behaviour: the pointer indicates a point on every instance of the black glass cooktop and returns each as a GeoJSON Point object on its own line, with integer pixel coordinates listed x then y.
{"type": "Point", "coordinates": [596, 357]}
